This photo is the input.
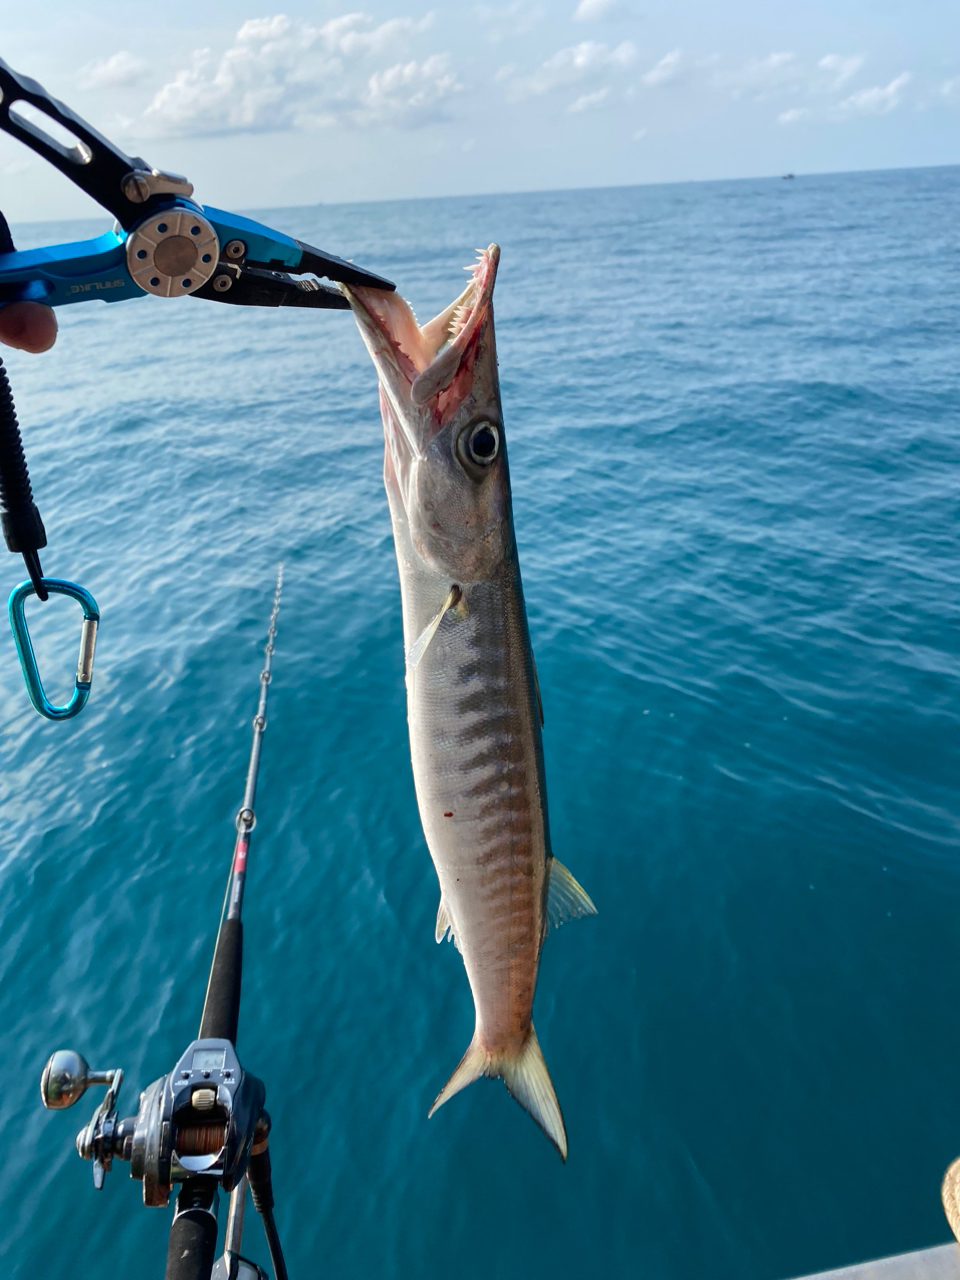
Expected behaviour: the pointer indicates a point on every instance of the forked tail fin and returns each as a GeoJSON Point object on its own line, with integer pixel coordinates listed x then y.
{"type": "Point", "coordinates": [529, 1081]}
{"type": "Point", "coordinates": [526, 1076]}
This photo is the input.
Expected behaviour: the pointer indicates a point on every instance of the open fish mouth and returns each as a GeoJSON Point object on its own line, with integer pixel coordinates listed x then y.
{"type": "Point", "coordinates": [417, 363]}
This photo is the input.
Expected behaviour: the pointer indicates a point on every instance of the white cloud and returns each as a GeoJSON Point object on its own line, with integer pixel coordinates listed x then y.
{"type": "Point", "coordinates": [664, 71]}
{"type": "Point", "coordinates": [876, 101]}
{"type": "Point", "coordinates": [587, 61]}
{"type": "Point", "coordinates": [841, 69]}
{"type": "Point", "coordinates": [782, 73]}
{"type": "Point", "coordinates": [593, 10]}
{"type": "Point", "coordinates": [760, 77]}
{"type": "Point", "coordinates": [350, 34]}
{"type": "Point", "coordinates": [589, 101]}
{"type": "Point", "coordinates": [950, 90]}
{"type": "Point", "coordinates": [282, 73]}
{"type": "Point", "coordinates": [408, 94]}
{"type": "Point", "coordinates": [585, 58]}
{"type": "Point", "coordinates": [509, 21]}
{"type": "Point", "coordinates": [117, 72]}
{"type": "Point", "coordinates": [879, 100]}
{"type": "Point", "coordinates": [773, 61]}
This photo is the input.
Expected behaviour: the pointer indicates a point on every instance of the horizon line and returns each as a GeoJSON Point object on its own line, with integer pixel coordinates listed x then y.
{"type": "Point", "coordinates": [613, 186]}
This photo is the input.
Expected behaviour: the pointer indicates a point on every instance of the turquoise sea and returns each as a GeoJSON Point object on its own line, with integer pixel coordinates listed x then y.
{"type": "Point", "coordinates": [732, 412]}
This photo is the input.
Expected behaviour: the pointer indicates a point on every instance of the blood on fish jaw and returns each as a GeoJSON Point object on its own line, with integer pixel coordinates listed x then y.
{"type": "Point", "coordinates": [438, 380]}
{"type": "Point", "coordinates": [392, 326]}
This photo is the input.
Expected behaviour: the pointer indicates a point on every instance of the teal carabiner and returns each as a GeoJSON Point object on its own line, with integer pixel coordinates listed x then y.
{"type": "Point", "coordinates": [88, 640]}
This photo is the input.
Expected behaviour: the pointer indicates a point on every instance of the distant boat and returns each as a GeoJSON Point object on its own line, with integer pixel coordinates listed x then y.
{"type": "Point", "coordinates": [787, 175]}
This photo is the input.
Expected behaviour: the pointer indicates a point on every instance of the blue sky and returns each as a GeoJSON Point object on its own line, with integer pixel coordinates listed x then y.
{"type": "Point", "coordinates": [267, 104]}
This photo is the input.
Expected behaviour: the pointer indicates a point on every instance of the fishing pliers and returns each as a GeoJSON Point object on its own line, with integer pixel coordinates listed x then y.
{"type": "Point", "coordinates": [163, 242]}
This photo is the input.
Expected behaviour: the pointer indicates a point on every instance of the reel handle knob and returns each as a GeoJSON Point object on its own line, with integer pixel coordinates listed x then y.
{"type": "Point", "coordinates": [66, 1078]}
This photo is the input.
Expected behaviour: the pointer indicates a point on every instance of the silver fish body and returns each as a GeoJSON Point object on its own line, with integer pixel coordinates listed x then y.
{"type": "Point", "coordinates": [472, 696]}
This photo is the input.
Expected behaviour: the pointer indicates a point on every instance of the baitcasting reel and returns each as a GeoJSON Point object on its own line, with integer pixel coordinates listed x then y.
{"type": "Point", "coordinates": [200, 1121]}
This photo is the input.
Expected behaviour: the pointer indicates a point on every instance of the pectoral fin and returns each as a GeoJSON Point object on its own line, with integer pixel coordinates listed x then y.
{"type": "Point", "coordinates": [566, 900]}
{"type": "Point", "coordinates": [422, 642]}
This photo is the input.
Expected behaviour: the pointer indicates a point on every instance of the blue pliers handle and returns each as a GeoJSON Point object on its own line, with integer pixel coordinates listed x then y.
{"type": "Point", "coordinates": [164, 242]}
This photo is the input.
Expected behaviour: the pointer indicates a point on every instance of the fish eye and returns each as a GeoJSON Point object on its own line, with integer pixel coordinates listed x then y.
{"type": "Point", "coordinates": [482, 443]}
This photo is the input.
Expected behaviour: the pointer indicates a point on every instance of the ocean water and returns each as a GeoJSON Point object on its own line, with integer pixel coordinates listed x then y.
{"type": "Point", "coordinates": [732, 412]}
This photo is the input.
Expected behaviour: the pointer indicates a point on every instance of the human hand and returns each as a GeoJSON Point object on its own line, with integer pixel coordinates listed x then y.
{"type": "Point", "coordinates": [28, 326]}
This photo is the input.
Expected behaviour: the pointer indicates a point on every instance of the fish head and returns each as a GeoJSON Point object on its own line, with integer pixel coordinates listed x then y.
{"type": "Point", "coordinates": [445, 462]}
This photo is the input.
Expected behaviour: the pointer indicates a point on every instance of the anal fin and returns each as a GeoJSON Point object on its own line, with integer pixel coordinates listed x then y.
{"type": "Point", "coordinates": [445, 927]}
{"type": "Point", "coordinates": [566, 899]}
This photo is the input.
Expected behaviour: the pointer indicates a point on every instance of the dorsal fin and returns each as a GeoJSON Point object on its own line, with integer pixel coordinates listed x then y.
{"type": "Point", "coordinates": [536, 685]}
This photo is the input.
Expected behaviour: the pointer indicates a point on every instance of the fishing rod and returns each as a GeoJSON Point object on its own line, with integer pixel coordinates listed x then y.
{"type": "Point", "coordinates": [203, 1126]}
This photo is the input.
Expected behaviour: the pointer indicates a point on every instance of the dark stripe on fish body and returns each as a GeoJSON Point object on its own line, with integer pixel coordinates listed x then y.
{"type": "Point", "coordinates": [498, 723]}
{"type": "Point", "coordinates": [494, 718]}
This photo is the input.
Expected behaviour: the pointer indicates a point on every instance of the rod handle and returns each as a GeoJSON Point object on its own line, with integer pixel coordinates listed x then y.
{"type": "Point", "coordinates": [193, 1235]}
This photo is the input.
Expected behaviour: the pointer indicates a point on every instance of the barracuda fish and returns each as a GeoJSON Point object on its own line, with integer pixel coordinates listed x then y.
{"type": "Point", "coordinates": [472, 696]}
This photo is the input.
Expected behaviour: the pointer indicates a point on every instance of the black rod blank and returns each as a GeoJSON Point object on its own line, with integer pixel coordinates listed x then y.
{"type": "Point", "coordinates": [221, 1007]}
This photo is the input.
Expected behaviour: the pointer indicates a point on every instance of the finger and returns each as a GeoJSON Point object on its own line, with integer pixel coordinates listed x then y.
{"type": "Point", "coordinates": [28, 326]}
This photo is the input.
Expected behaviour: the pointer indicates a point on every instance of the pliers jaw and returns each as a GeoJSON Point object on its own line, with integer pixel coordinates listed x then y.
{"type": "Point", "coordinates": [319, 263]}
{"type": "Point", "coordinates": [260, 267]}
{"type": "Point", "coordinates": [256, 287]}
